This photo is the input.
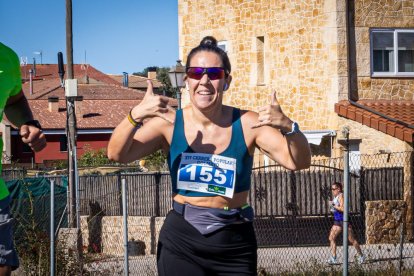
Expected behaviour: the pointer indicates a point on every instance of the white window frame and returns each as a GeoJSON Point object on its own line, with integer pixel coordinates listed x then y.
{"type": "Point", "coordinates": [395, 48]}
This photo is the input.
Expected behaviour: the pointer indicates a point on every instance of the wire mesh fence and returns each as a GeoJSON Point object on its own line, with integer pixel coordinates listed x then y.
{"type": "Point", "coordinates": [292, 224]}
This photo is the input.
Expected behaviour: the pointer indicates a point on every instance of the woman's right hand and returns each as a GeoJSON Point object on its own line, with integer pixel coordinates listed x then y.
{"type": "Point", "coordinates": [127, 143]}
{"type": "Point", "coordinates": [152, 106]}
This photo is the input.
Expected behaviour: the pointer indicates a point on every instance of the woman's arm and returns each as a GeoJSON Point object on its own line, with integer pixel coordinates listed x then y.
{"type": "Point", "coordinates": [17, 110]}
{"type": "Point", "coordinates": [290, 151]}
{"type": "Point", "coordinates": [340, 207]}
{"type": "Point", "coordinates": [128, 143]}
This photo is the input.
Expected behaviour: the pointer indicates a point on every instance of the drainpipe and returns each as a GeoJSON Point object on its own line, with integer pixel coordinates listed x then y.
{"type": "Point", "coordinates": [348, 59]}
{"type": "Point", "coordinates": [34, 67]}
{"type": "Point", "coordinates": [125, 79]}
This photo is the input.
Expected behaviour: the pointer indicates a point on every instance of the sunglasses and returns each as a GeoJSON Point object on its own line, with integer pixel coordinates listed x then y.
{"type": "Point", "coordinates": [333, 189]}
{"type": "Point", "coordinates": [214, 73]}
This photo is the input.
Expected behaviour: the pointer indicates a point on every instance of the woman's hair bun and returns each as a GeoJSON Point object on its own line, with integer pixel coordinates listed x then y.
{"type": "Point", "coordinates": [209, 41]}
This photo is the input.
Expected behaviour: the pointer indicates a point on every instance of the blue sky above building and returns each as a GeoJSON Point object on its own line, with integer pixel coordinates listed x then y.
{"type": "Point", "coordinates": [113, 36]}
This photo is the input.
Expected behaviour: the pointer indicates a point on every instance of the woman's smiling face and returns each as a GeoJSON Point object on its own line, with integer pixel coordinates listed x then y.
{"type": "Point", "coordinates": [206, 93]}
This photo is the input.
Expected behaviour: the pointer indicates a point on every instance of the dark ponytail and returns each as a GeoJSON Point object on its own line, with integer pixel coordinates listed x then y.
{"type": "Point", "coordinates": [209, 44]}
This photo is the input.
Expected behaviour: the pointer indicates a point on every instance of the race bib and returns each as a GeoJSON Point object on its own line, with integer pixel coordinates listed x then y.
{"type": "Point", "coordinates": [207, 173]}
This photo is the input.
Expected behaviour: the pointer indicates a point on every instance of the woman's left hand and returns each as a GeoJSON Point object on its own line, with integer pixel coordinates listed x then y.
{"type": "Point", "coordinates": [272, 115]}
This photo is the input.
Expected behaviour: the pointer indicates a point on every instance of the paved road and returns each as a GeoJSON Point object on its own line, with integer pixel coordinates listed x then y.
{"type": "Point", "coordinates": [277, 260]}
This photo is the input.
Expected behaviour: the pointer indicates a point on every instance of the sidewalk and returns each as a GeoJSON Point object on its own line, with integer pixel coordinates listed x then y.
{"type": "Point", "coordinates": [278, 260]}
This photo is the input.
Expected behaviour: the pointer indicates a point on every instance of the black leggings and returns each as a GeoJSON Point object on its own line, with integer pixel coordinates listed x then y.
{"type": "Point", "coordinates": [182, 250]}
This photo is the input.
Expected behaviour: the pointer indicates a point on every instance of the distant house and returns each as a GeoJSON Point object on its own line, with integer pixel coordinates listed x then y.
{"type": "Point", "coordinates": [101, 105]}
{"type": "Point", "coordinates": [138, 82]}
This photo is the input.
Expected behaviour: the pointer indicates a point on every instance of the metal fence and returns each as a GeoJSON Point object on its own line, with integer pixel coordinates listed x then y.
{"type": "Point", "coordinates": [292, 222]}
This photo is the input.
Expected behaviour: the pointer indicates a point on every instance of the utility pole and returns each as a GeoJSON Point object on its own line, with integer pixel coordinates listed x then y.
{"type": "Point", "coordinates": [345, 134]}
{"type": "Point", "coordinates": [71, 121]}
{"type": "Point", "coordinates": [69, 40]}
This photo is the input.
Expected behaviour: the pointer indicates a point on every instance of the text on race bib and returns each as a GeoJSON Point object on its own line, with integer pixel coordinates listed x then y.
{"type": "Point", "coordinates": [207, 173]}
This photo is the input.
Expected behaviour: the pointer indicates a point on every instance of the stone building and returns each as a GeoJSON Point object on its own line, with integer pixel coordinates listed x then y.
{"type": "Point", "coordinates": [335, 65]}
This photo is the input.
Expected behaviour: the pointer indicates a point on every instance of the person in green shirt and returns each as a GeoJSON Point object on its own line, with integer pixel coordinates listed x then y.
{"type": "Point", "coordinates": [14, 105]}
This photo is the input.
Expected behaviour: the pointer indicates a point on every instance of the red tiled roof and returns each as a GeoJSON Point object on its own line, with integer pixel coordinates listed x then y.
{"type": "Point", "coordinates": [41, 88]}
{"type": "Point", "coordinates": [401, 113]}
{"type": "Point", "coordinates": [95, 114]}
{"type": "Point", "coordinates": [50, 71]}
{"type": "Point", "coordinates": [105, 102]}
{"type": "Point", "coordinates": [45, 89]}
{"type": "Point", "coordinates": [100, 86]}
{"type": "Point", "coordinates": [136, 82]}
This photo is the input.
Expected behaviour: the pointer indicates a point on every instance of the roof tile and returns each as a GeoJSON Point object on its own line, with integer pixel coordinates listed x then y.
{"type": "Point", "coordinates": [105, 103]}
{"type": "Point", "coordinates": [50, 71]}
{"type": "Point", "coordinates": [399, 133]}
{"type": "Point", "coordinates": [95, 114]}
{"type": "Point", "coordinates": [374, 122]}
{"type": "Point", "coordinates": [136, 82]}
{"type": "Point", "coordinates": [396, 118]}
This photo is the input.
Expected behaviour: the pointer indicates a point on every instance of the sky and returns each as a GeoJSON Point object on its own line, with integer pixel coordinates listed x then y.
{"type": "Point", "coordinates": [115, 36]}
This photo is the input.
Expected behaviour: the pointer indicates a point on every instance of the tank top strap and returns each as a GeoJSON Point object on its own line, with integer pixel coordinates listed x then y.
{"type": "Point", "coordinates": [236, 120]}
{"type": "Point", "coordinates": [178, 138]}
{"type": "Point", "coordinates": [236, 131]}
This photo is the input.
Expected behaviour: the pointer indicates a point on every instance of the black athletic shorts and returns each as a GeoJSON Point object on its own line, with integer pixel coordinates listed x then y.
{"type": "Point", "coordinates": [8, 254]}
{"type": "Point", "coordinates": [341, 223]}
{"type": "Point", "coordinates": [182, 250]}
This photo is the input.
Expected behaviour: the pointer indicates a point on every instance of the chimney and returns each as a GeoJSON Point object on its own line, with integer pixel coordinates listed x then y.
{"type": "Point", "coordinates": [31, 81]}
{"type": "Point", "coordinates": [125, 82]}
{"type": "Point", "coordinates": [78, 106]}
{"type": "Point", "coordinates": [53, 104]}
{"type": "Point", "coordinates": [34, 67]}
{"type": "Point", "coordinates": [152, 73]}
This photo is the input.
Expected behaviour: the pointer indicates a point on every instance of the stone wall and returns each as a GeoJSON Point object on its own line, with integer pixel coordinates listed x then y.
{"type": "Point", "coordinates": [104, 234]}
{"type": "Point", "coordinates": [373, 141]}
{"type": "Point", "coordinates": [383, 220]}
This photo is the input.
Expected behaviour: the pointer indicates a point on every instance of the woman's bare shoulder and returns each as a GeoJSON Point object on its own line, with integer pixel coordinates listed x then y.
{"type": "Point", "coordinates": [162, 125]}
{"type": "Point", "coordinates": [248, 117]}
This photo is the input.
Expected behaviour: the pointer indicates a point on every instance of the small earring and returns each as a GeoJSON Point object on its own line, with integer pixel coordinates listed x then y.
{"type": "Point", "coordinates": [226, 86]}
{"type": "Point", "coordinates": [186, 87]}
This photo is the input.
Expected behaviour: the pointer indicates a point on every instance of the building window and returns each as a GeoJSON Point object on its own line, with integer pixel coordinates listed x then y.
{"type": "Point", "coordinates": [392, 52]}
{"type": "Point", "coordinates": [260, 60]}
{"type": "Point", "coordinates": [224, 45]}
{"type": "Point", "coordinates": [63, 143]}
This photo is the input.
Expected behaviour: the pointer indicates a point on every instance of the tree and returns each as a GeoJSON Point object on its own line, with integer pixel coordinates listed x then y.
{"type": "Point", "coordinates": [162, 76]}
{"type": "Point", "coordinates": [93, 158]}
{"type": "Point", "coordinates": [156, 161]}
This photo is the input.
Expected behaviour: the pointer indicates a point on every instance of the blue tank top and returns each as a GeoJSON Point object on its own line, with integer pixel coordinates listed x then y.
{"type": "Point", "coordinates": [338, 215]}
{"type": "Point", "coordinates": [237, 149]}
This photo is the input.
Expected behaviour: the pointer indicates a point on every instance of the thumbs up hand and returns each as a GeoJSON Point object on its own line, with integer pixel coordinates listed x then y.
{"type": "Point", "coordinates": [153, 106]}
{"type": "Point", "coordinates": [272, 115]}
